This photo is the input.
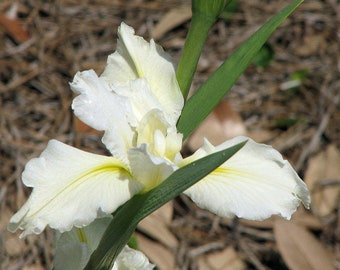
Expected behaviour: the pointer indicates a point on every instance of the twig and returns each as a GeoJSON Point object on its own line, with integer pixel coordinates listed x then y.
{"type": "Point", "coordinates": [314, 142]}
{"type": "Point", "coordinates": [206, 248]}
{"type": "Point", "coordinates": [35, 72]}
{"type": "Point", "coordinates": [251, 255]}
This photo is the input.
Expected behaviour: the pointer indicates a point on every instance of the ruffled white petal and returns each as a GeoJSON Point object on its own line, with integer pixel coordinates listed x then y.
{"type": "Point", "coordinates": [131, 259]}
{"type": "Point", "coordinates": [71, 188]}
{"type": "Point", "coordinates": [161, 138]}
{"type": "Point", "coordinates": [148, 169]}
{"type": "Point", "coordinates": [99, 107]}
{"type": "Point", "coordinates": [255, 183]}
{"type": "Point", "coordinates": [140, 96]}
{"type": "Point", "coordinates": [135, 58]}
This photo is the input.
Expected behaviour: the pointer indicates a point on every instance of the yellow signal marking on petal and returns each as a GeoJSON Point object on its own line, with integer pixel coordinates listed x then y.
{"type": "Point", "coordinates": [234, 174]}
{"type": "Point", "coordinates": [156, 181]}
{"type": "Point", "coordinates": [115, 167]}
{"type": "Point", "coordinates": [139, 71]}
{"type": "Point", "coordinates": [222, 171]}
{"type": "Point", "coordinates": [228, 173]}
{"type": "Point", "coordinates": [81, 235]}
{"type": "Point", "coordinates": [185, 162]}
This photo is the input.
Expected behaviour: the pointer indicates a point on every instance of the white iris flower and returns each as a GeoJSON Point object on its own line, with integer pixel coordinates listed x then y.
{"type": "Point", "coordinates": [137, 102]}
{"type": "Point", "coordinates": [75, 247]}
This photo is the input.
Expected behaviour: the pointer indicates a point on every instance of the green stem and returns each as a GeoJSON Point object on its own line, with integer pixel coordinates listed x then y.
{"type": "Point", "coordinates": [198, 32]}
{"type": "Point", "coordinates": [206, 98]}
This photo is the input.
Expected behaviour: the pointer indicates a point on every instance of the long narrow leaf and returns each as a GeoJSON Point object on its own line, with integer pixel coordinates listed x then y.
{"type": "Point", "coordinates": [131, 213]}
{"type": "Point", "coordinates": [217, 86]}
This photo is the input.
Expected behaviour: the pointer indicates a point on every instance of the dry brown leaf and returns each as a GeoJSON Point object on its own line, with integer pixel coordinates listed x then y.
{"type": "Point", "coordinates": [165, 213]}
{"type": "Point", "coordinates": [265, 224]}
{"type": "Point", "coordinates": [37, 266]}
{"type": "Point", "coordinates": [306, 219]}
{"type": "Point", "coordinates": [223, 123]}
{"type": "Point", "coordinates": [226, 259]}
{"type": "Point", "coordinates": [312, 44]}
{"type": "Point", "coordinates": [299, 248]}
{"type": "Point", "coordinates": [156, 226]}
{"type": "Point", "coordinates": [13, 246]}
{"type": "Point", "coordinates": [301, 217]}
{"type": "Point", "coordinates": [262, 135]}
{"type": "Point", "coordinates": [321, 169]}
{"type": "Point", "coordinates": [172, 19]}
{"type": "Point", "coordinates": [157, 253]}
{"type": "Point", "coordinates": [81, 127]}
{"type": "Point", "coordinates": [14, 29]}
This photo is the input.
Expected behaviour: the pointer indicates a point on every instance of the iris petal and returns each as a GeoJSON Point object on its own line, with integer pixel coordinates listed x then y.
{"type": "Point", "coordinates": [102, 109]}
{"type": "Point", "coordinates": [149, 169]}
{"type": "Point", "coordinates": [75, 247]}
{"type": "Point", "coordinates": [71, 188]}
{"type": "Point", "coordinates": [135, 58]}
{"type": "Point", "coordinates": [130, 259]}
{"type": "Point", "coordinates": [255, 183]}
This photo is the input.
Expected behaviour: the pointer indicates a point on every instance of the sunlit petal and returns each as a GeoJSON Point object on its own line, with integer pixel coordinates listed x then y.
{"type": "Point", "coordinates": [161, 138]}
{"type": "Point", "coordinates": [140, 96]}
{"type": "Point", "coordinates": [153, 121]}
{"type": "Point", "coordinates": [255, 183]}
{"type": "Point", "coordinates": [102, 109]}
{"type": "Point", "coordinates": [148, 169]}
{"type": "Point", "coordinates": [131, 259]}
{"type": "Point", "coordinates": [135, 58]}
{"type": "Point", "coordinates": [71, 188]}
{"type": "Point", "coordinates": [174, 141]}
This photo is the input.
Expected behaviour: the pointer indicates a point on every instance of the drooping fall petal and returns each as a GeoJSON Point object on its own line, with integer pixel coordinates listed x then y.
{"type": "Point", "coordinates": [71, 188]}
{"type": "Point", "coordinates": [255, 183]}
{"type": "Point", "coordinates": [136, 58]}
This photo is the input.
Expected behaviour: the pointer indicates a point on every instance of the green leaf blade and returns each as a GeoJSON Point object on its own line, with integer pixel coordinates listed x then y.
{"type": "Point", "coordinates": [132, 212]}
{"type": "Point", "coordinates": [218, 85]}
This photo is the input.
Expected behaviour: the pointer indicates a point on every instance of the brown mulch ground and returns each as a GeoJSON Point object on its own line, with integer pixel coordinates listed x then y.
{"type": "Point", "coordinates": [40, 55]}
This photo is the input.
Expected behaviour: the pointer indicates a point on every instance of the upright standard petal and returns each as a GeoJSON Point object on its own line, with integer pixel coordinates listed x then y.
{"type": "Point", "coordinates": [102, 109]}
{"type": "Point", "coordinates": [255, 183]}
{"type": "Point", "coordinates": [135, 58]}
{"type": "Point", "coordinates": [140, 96]}
{"type": "Point", "coordinates": [71, 188]}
